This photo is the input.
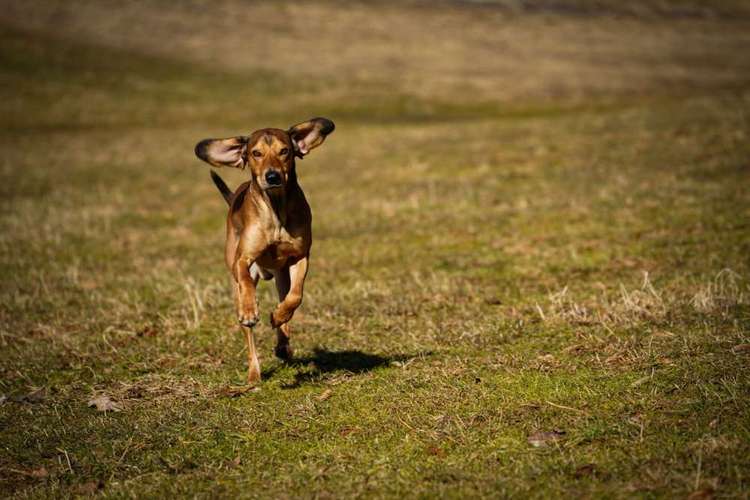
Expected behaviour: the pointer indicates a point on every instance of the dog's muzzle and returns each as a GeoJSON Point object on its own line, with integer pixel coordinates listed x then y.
{"type": "Point", "coordinates": [273, 178]}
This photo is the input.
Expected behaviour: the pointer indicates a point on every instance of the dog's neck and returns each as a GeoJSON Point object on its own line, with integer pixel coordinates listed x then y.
{"type": "Point", "coordinates": [277, 200]}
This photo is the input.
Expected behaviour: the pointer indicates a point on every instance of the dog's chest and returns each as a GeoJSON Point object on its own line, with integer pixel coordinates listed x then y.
{"type": "Point", "coordinates": [281, 247]}
{"type": "Point", "coordinates": [285, 244]}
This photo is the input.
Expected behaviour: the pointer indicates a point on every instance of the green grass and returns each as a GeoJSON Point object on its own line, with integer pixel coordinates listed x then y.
{"type": "Point", "coordinates": [482, 271]}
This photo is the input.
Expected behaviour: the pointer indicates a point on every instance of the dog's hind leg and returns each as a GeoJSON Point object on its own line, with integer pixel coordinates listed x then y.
{"type": "Point", "coordinates": [283, 350]}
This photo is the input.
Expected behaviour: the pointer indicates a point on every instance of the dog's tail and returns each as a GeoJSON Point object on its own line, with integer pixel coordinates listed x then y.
{"type": "Point", "coordinates": [223, 189]}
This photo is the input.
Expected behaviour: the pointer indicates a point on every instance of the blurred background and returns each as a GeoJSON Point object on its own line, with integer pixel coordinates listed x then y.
{"type": "Point", "coordinates": [524, 201]}
{"type": "Point", "coordinates": [231, 62]}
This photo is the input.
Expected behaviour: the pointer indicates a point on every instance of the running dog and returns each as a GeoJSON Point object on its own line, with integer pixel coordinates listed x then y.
{"type": "Point", "coordinates": [269, 230]}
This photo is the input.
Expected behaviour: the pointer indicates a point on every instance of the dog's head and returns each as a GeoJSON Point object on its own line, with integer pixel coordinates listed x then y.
{"type": "Point", "coordinates": [269, 153]}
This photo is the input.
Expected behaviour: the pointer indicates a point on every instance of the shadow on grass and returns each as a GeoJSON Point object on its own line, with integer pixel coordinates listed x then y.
{"type": "Point", "coordinates": [322, 361]}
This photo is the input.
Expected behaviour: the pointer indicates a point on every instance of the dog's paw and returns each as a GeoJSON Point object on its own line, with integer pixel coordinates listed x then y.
{"type": "Point", "coordinates": [249, 321]}
{"type": "Point", "coordinates": [274, 323]}
{"type": "Point", "coordinates": [284, 351]}
{"type": "Point", "coordinates": [278, 318]}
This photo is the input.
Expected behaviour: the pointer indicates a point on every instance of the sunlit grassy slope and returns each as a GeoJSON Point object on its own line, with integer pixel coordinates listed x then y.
{"type": "Point", "coordinates": [530, 269]}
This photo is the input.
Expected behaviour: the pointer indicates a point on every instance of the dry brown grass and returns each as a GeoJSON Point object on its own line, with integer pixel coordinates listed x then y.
{"type": "Point", "coordinates": [625, 307]}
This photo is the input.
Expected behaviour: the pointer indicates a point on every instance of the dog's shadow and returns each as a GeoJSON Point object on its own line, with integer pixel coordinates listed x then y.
{"type": "Point", "coordinates": [315, 366]}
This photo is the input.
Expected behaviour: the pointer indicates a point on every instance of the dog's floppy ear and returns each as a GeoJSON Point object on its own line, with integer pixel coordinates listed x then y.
{"type": "Point", "coordinates": [310, 134]}
{"type": "Point", "coordinates": [230, 152]}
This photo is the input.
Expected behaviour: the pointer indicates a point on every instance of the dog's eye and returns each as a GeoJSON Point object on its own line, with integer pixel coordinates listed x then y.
{"type": "Point", "coordinates": [283, 151]}
{"type": "Point", "coordinates": [257, 153]}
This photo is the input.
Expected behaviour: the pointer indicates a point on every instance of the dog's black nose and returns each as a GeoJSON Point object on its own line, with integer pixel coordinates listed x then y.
{"type": "Point", "coordinates": [273, 178]}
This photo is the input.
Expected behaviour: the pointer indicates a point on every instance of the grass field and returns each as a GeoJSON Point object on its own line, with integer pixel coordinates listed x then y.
{"type": "Point", "coordinates": [531, 265]}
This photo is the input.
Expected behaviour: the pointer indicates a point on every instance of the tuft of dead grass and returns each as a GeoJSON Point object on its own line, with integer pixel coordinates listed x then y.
{"type": "Point", "coordinates": [644, 304]}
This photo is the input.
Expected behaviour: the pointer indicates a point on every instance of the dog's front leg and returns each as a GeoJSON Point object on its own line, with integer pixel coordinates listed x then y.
{"type": "Point", "coordinates": [253, 365]}
{"type": "Point", "coordinates": [247, 306]}
{"type": "Point", "coordinates": [247, 302]}
{"type": "Point", "coordinates": [286, 308]}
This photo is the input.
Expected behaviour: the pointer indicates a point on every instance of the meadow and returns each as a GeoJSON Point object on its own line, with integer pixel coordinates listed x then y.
{"type": "Point", "coordinates": [530, 274]}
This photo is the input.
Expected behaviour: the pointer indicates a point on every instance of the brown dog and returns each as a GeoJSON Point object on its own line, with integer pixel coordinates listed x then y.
{"type": "Point", "coordinates": [269, 222]}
